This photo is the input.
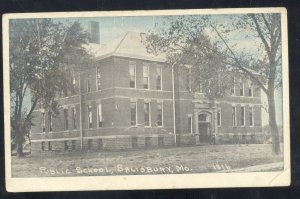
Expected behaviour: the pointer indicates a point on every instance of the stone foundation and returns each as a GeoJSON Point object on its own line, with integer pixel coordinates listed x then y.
{"type": "Point", "coordinates": [139, 142]}
{"type": "Point", "coordinates": [230, 138]}
{"type": "Point", "coordinates": [106, 143]}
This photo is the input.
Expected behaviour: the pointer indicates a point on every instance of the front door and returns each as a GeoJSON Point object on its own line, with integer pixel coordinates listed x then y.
{"type": "Point", "coordinates": [204, 127]}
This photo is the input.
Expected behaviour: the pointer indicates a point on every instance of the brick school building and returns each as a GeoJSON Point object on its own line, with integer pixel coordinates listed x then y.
{"type": "Point", "coordinates": [133, 99]}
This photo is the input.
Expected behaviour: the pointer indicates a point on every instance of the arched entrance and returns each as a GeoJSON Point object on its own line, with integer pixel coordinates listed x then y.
{"type": "Point", "coordinates": [204, 126]}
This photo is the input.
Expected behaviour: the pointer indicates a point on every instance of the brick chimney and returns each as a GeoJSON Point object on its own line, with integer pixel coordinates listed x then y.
{"type": "Point", "coordinates": [95, 32]}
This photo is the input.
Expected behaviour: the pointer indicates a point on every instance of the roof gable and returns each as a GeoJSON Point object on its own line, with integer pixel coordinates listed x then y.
{"type": "Point", "coordinates": [129, 45]}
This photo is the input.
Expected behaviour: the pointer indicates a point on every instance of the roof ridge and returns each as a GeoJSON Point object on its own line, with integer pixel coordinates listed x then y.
{"type": "Point", "coordinates": [119, 44]}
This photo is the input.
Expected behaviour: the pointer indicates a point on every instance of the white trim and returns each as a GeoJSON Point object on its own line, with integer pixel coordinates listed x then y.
{"type": "Point", "coordinates": [145, 64]}
{"type": "Point", "coordinates": [97, 85]}
{"type": "Point", "coordinates": [136, 114]}
{"type": "Point", "coordinates": [116, 87]}
{"type": "Point", "coordinates": [250, 87]}
{"type": "Point", "coordinates": [190, 116]}
{"type": "Point", "coordinates": [162, 113]}
{"type": "Point", "coordinates": [150, 115]}
{"type": "Point", "coordinates": [244, 103]}
{"type": "Point", "coordinates": [88, 86]}
{"type": "Point", "coordinates": [134, 64]}
{"type": "Point", "coordinates": [219, 110]}
{"type": "Point", "coordinates": [95, 129]}
{"type": "Point", "coordinates": [243, 88]}
{"type": "Point", "coordinates": [50, 118]}
{"type": "Point", "coordinates": [73, 79]}
{"type": "Point", "coordinates": [133, 99]}
{"type": "Point", "coordinates": [66, 119]}
{"type": "Point", "coordinates": [99, 103]}
{"type": "Point", "coordinates": [233, 123]}
{"type": "Point", "coordinates": [149, 112]}
{"type": "Point", "coordinates": [57, 139]}
{"type": "Point", "coordinates": [244, 115]}
{"type": "Point", "coordinates": [88, 114]}
{"type": "Point", "coordinates": [233, 93]}
{"type": "Point", "coordinates": [43, 122]}
{"type": "Point", "coordinates": [243, 97]}
{"type": "Point", "coordinates": [136, 118]}
{"type": "Point", "coordinates": [74, 114]}
{"type": "Point", "coordinates": [161, 78]}
{"type": "Point", "coordinates": [252, 117]}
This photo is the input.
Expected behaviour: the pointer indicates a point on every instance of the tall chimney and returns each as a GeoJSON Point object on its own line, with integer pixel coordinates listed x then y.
{"type": "Point", "coordinates": [94, 30]}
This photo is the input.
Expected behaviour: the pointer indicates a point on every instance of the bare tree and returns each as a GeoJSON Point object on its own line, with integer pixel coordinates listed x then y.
{"type": "Point", "coordinates": [267, 28]}
{"type": "Point", "coordinates": [38, 50]}
{"type": "Point", "coordinates": [193, 53]}
{"type": "Point", "coordinates": [185, 40]}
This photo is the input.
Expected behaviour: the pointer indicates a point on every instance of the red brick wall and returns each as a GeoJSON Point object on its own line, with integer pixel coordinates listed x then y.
{"type": "Point", "coordinates": [121, 74]}
{"type": "Point", "coordinates": [115, 96]}
{"type": "Point", "coordinates": [226, 119]}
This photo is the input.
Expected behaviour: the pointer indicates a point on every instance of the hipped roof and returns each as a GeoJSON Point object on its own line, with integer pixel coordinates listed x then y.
{"type": "Point", "coordinates": [129, 45]}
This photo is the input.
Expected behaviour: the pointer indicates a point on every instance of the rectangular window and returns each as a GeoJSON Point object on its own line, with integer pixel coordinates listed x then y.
{"type": "Point", "coordinates": [66, 145]}
{"type": "Point", "coordinates": [73, 79]}
{"type": "Point", "coordinates": [99, 115]}
{"type": "Point", "coordinates": [88, 85]}
{"type": "Point", "coordinates": [145, 76]}
{"type": "Point", "coordinates": [241, 88]}
{"type": "Point", "coordinates": [98, 78]}
{"type": "Point", "coordinates": [232, 90]}
{"type": "Point", "coordinates": [74, 117]}
{"type": "Point", "coordinates": [49, 146]}
{"type": "Point", "coordinates": [242, 115]}
{"type": "Point", "coordinates": [159, 114]}
{"type": "Point", "coordinates": [219, 117]}
{"type": "Point", "coordinates": [90, 117]}
{"type": "Point", "coordinates": [233, 116]}
{"type": "Point", "coordinates": [190, 123]}
{"type": "Point", "coordinates": [43, 146]}
{"type": "Point", "coordinates": [100, 144]}
{"type": "Point", "coordinates": [73, 82]}
{"type": "Point", "coordinates": [73, 144]}
{"type": "Point", "coordinates": [132, 74]}
{"type": "Point", "coordinates": [133, 113]}
{"type": "Point", "coordinates": [43, 122]}
{"type": "Point", "coordinates": [147, 114]}
{"type": "Point", "coordinates": [50, 121]}
{"type": "Point", "coordinates": [158, 78]}
{"type": "Point", "coordinates": [251, 116]}
{"type": "Point", "coordinates": [200, 87]}
{"type": "Point", "coordinates": [250, 91]}
{"type": "Point", "coordinates": [66, 117]}
{"type": "Point", "coordinates": [90, 143]}
{"type": "Point", "coordinates": [189, 80]}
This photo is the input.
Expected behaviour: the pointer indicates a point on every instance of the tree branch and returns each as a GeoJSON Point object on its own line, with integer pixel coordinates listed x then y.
{"type": "Point", "coordinates": [266, 23]}
{"type": "Point", "coordinates": [239, 64]}
{"type": "Point", "coordinates": [259, 31]}
{"type": "Point", "coordinates": [31, 110]}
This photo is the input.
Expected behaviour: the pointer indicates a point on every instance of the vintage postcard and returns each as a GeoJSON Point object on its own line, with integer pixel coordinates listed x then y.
{"type": "Point", "coordinates": [163, 99]}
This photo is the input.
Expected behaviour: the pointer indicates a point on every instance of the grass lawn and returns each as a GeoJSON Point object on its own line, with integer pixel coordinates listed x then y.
{"type": "Point", "coordinates": [194, 159]}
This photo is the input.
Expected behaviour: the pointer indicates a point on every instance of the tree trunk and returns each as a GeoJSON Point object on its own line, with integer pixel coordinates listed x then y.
{"type": "Point", "coordinates": [19, 139]}
{"type": "Point", "coordinates": [273, 124]}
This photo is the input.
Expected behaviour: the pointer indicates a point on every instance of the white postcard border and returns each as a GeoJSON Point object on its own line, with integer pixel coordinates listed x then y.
{"type": "Point", "coordinates": [166, 181]}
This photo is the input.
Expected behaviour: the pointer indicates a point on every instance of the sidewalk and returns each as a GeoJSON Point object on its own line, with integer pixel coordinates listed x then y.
{"type": "Point", "coordinates": [264, 167]}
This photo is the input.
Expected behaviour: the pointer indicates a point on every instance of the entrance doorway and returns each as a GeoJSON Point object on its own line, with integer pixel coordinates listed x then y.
{"type": "Point", "coordinates": [204, 127]}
